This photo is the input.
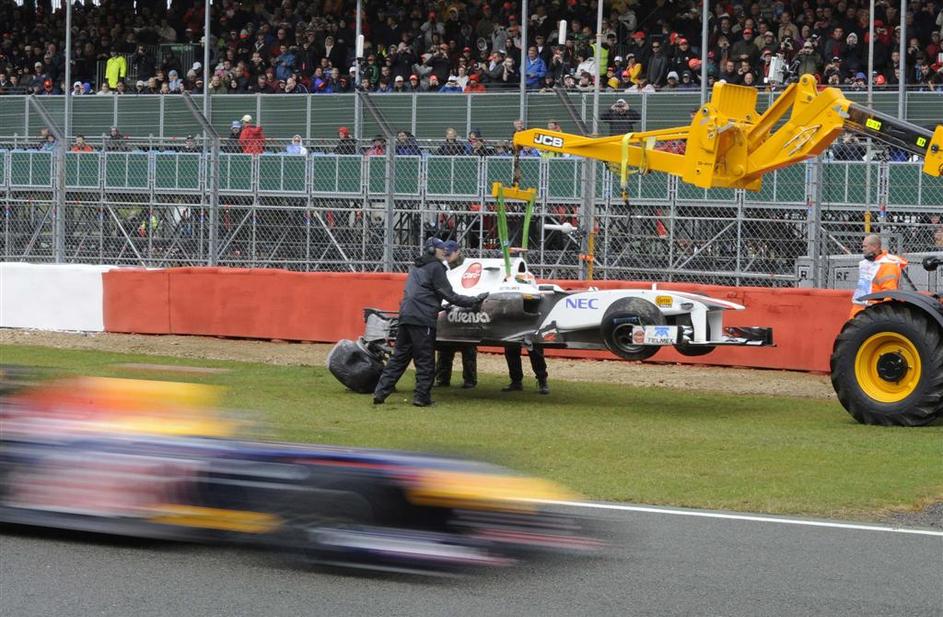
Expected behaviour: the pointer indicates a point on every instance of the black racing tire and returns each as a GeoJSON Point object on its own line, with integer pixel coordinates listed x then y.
{"type": "Point", "coordinates": [353, 364]}
{"type": "Point", "coordinates": [884, 342]}
{"type": "Point", "coordinates": [617, 323]}
{"type": "Point", "coordinates": [692, 351]}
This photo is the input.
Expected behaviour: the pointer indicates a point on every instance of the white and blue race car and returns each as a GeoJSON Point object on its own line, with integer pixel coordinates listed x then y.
{"type": "Point", "coordinates": [631, 323]}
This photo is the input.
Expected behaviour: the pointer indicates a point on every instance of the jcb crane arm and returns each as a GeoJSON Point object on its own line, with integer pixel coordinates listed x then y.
{"type": "Point", "coordinates": [729, 144]}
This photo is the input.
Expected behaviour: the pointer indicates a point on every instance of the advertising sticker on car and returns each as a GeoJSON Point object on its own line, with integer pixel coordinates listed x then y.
{"type": "Point", "coordinates": [655, 335]}
{"type": "Point", "coordinates": [471, 275]}
{"type": "Point", "coordinates": [664, 301]}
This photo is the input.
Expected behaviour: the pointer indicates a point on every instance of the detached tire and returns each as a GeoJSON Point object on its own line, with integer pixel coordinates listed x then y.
{"type": "Point", "coordinates": [617, 324]}
{"type": "Point", "coordinates": [887, 366]}
{"type": "Point", "coordinates": [355, 366]}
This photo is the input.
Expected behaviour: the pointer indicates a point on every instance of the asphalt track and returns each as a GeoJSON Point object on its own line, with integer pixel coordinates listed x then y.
{"type": "Point", "coordinates": [659, 563]}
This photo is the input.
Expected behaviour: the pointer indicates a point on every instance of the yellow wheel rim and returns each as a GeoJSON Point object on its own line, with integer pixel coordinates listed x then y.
{"type": "Point", "coordinates": [890, 346]}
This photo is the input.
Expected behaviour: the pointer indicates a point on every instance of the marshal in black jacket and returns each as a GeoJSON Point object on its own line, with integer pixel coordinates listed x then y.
{"type": "Point", "coordinates": [426, 288]}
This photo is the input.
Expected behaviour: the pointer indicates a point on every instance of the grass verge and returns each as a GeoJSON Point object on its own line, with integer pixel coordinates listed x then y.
{"type": "Point", "coordinates": [691, 449]}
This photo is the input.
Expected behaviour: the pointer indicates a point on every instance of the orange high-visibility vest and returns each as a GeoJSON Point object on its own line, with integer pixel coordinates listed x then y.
{"type": "Point", "coordinates": [882, 274]}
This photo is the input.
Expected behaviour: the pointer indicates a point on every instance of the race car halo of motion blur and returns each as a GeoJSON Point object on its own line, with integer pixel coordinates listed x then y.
{"type": "Point", "coordinates": [631, 323]}
{"type": "Point", "coordinates": [152, 459]}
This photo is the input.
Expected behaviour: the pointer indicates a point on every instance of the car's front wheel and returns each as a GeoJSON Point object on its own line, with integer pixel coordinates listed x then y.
{"type": "Point", "coordinates": [618, 323]}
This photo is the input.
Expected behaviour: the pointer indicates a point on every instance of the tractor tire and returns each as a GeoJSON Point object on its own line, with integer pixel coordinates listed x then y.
{"type": "Point", "coordinates": [617, 323]}
{"type": "Point", "coordinates": [887, 366]}
{"type": "Point", "coordinates": [692, 350]}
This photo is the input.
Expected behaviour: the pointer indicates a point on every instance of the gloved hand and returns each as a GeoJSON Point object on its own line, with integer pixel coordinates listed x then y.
{"type": "Point", "coordinates": [478, 300]}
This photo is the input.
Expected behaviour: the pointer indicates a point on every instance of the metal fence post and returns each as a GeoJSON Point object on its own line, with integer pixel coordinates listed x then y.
{"type": "Point", "coordinates": [588, 221]}
{"type": "Point", "coordinates": [59, 174]}
{"type": "Point", "coordinates": [814, 220]}
{"type": "Point", "coordinates": [388, 189]}
{"type": "Point", "coordinates": [213, 173]}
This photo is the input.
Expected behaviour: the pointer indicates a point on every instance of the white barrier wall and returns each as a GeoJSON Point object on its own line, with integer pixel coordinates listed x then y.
{"type": "Point", "coordinates": [51, 296]}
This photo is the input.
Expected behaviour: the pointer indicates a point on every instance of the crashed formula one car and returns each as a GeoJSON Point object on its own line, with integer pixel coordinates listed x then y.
{"type": "Point", "coordinates": [151, 459]}
{"type": "Point", "coordinates": [631, 323]}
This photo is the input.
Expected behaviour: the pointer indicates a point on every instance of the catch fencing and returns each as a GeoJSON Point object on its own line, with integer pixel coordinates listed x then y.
{"type": "Point", "coordinates": [152, 203]}
{"type": "Point", "coordinates": [427, 115]}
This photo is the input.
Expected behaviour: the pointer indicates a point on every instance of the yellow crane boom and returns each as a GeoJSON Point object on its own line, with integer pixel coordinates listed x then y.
{"type": "Point", "coordinates": [729, 144]}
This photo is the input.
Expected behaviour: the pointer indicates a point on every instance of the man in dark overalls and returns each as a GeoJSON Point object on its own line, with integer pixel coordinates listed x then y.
{"type": "Point", "coordinates": [426, 288]}
{"type": "Point", "coordinates": [443, 367]}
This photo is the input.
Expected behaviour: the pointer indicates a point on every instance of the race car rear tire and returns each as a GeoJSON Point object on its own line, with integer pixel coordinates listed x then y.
{"type": "Point", "coordinates": [887, 366]}
{"type": "Point", "coordinates": [618, 321]}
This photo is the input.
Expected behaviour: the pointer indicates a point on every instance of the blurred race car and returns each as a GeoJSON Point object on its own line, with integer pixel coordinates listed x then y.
{"type": "Point", "coordinates": [152, 459]}
{"type": "Point", "coordinates": [631, 323]}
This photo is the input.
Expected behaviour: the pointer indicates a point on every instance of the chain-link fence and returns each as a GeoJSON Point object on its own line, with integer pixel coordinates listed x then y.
{"type": "Point", "coordinates": [302, 205]}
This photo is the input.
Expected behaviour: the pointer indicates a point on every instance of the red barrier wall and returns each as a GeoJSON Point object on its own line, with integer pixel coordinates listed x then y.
{"type": "Point", "coordinates": [325, 307]}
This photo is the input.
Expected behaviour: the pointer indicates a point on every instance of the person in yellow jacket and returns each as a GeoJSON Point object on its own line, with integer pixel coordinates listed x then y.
{"type": "Point", "coordinates": [116, 69]}
{"type": "Point", "coordinates": [878, 271]}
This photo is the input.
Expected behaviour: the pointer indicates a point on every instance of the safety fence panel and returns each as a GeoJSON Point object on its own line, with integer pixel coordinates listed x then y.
{"type": "Point", "coordinates": [329, 112]}
{"type": "Point", "coordinates": [282, 173]}
{"type": "Point", "coordinates": [330, 212]}
{"type": "Point", "coordinates": [236, 173]}
{"type": "Point", "coordinates": [564, 179]}
{"type": "Point", "coordinates": [280, 116]}
{"type": "Point", "coordinates": [907, 185]}
{"type": "Point", "coordinates": [13, 115]}
{"type": "Point", "coordinates": [28, 232]}
{"type": "Point", "coordinates": [652, 187]}
{"type": "Point", "coordinates": [127, 171]}
{"type": "Point", "coordinates": [177, 172]}
{"type": "Point", "coordinates": [406, 175]}
{"type": "Point", "coordinates": [82, 170]}
{"type": "Point", "coordinates": [140, 116]}
{"type": "Point", "coordinates": [426, 115]}
{"type": "Point", "coordinates": [337, 175]}
{"type": "Point", "coordinates": [501, 169]}
{"type": "Point", "coordinates": [452, 176]}
{"type": "Point", "coordinates": [435, 113]}
{"type": "Point", "coordinates": [31, 169]}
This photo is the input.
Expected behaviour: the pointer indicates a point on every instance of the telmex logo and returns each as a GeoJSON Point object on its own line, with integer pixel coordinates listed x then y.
{"type": "Point", "coordinates": [471, 275]}
{"type": "Point", "coordinates": [468, 317]}
{"type": "Point", "coordinates": [582, 303]}
{"type": "Point", "coordinates": [548, 140]}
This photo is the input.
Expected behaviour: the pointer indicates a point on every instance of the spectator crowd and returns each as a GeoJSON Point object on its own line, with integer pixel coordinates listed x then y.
{"type": "Point", "coordinates": [122, 47]}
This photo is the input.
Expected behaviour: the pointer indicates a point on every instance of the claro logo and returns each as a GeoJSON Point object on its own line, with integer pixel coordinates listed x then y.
{"type": "Point", "coordinates": [471, 275]}
{"type": "Point", "coordinates": [468, 317]}
{"type": "Point", "coordinates": [548, 140]}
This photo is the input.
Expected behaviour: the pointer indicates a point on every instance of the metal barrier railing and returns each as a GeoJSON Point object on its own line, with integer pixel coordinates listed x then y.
{"type": "Point", "coordinates": [149, 203]}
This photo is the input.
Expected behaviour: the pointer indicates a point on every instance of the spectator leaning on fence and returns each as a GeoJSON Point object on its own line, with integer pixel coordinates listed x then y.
{"type": "Point", "coordinates": [79, 145]}
{"type": "Point", "coordinates": [251, 138]}
{"type": "Point", "coordinates": [346, 145]}
{"type": "Point", "coordinates": [296, 147]}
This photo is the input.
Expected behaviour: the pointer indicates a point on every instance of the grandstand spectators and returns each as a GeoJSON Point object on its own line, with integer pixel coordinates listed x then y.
{"type": "Point", "coordinates": [301, 46]}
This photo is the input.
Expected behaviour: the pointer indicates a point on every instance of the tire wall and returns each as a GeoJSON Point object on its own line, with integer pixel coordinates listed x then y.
{"type": "Point", "coordinates": [327, 307]}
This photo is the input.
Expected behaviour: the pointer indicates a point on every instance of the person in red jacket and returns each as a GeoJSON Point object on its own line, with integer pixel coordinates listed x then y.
{"type": "Point", "coordinates": [252, 138]}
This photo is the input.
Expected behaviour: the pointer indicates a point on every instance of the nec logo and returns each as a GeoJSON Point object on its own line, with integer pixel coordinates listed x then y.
{"type": "Point", "coordinates": [548, 140]}
{"type": "Point", "coordinates": [582, 303]}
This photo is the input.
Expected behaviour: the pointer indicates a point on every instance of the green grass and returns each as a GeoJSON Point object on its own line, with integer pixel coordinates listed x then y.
{"type": "Point", "coordinates": [695, 449]}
